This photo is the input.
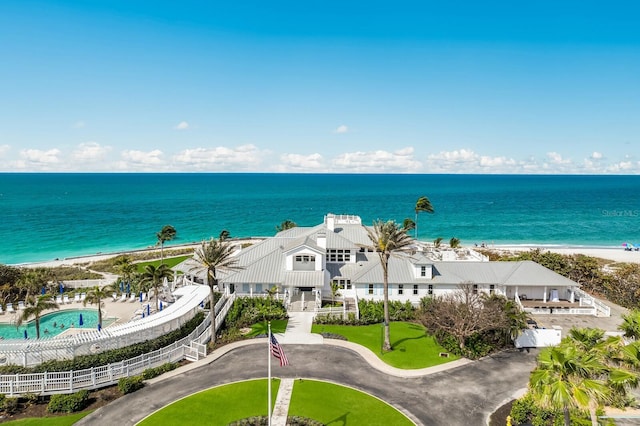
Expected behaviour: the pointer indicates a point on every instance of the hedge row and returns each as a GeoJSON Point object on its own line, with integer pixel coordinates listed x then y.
{"type": "Point", "coordinates": [372, 312]}
{"type": "Point", "coordinates": [68, 403]}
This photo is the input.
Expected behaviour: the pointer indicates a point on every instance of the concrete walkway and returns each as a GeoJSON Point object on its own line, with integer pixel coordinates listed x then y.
{"type": "Point", "coordinates": [299, 330]}
{"type": "Point", "coordinates": [281, 409]}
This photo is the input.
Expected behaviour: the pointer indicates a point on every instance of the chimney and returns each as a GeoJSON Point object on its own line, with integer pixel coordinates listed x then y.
{"type": "Point", "coordinates": [321, 239]}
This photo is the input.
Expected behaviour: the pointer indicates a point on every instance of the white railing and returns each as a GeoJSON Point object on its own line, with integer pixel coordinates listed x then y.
{"type": "Point", "coordinates": [50, 383]}
{"type": "Point", "coordinates": [34, 352]}
{"type": "Point", "coordinates": [600, 307]}
{"type": "Point", "coordinates": [86, 283]}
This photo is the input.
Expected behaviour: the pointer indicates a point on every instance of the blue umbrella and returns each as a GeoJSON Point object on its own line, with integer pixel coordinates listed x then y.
{"type": "Point", "coordinates": [99, 327]}
{"type": "Point", "coordinates": [43, 291]}
{"type": "Point", "coordinates": [61, 287]}
{"type": "Point", "coordinates": [148, 309]}
{"type": "Point", "coordinates": [81, 321]}
{"type": "Point", "coordinates": [142, 314]}
{"type": "Point", "coordinates": [202, 304]}
{"type": "Point", "coordinates": [25, 334]}
{"type": "Point", "coordinates": [128, 287]}
{"type": "Point", "coordinates": [121, 286]}
{"type": "Point", "coordinates": [140, 297]}
{"type": "Point", "coordinates": [161, 305]}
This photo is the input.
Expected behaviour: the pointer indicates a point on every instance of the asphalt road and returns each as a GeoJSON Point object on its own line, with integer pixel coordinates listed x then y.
{"type": "Point", "coordinates": [466, 395]}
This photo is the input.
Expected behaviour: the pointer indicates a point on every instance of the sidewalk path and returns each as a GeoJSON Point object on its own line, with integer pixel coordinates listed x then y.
{"type": "Point", "coordinates": [281, 410]}
{"type": "Point", "coordinates": [299, 330]}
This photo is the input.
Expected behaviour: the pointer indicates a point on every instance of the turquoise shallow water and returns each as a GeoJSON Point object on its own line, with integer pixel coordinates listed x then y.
{"type": "Point", "coordinates": [52, 324]}
{"type": "Point", "coordinates": [48, 216]}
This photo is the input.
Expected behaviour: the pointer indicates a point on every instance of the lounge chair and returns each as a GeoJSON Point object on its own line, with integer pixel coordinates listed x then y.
{"type": "Point", "coordinates": [114, 296]}
{"type": "Point", "coordinates": [123, 298]}
{"type": "Point", "coordinates": [83, 296]}
{"type": "Point", "coordinates": [10, 308]}
{"type": "Point", "coordinates": [1, 310]}
{"type": "Point", "coordinates": [144, 297]}
{"type": "Point", "coordinates": [65, 299]}
{"type": "Point", "coordinates": [133, 297]}
{"type": "Point", "coordinates": [59, 300]}
{"type": "Point", "coordinates": [21, 304]}
{"type": "Point", "coordinates": [76, 297]}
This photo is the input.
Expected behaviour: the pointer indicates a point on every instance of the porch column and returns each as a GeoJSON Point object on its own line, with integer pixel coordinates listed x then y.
{"type": "Point", "coordinates": [572, 295]}
{"type": "Point", "coordinates": [516, 294]}
{"type": "Point", "coordinates": [250, 291]}
{"type": "Point", "coordinates": [544, 297]}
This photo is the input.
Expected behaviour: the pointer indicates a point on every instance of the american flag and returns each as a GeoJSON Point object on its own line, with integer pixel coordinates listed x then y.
{"type": "Point", "coordinates": [277, 351]}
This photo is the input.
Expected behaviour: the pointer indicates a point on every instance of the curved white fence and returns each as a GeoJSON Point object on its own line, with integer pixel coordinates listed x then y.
{"type": "Point", "coordinates": [49, 383]}
{"type": "Point", "coordinates": [34, 352]}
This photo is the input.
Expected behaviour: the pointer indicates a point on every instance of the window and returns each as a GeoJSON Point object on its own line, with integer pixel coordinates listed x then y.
{"type": "Point", "coordinates": [340, 255]}
{"type": "Point", "coordinates": [423, 271]}
{"type": "Point", "coordinates": [415, 289]}
{"type": "Point", "coordinates": [475, 289]}
{"type": "Point", "coordinates": [245, 288]}
{"type": "Point", "coordinates": [370, 288]}
{"type": "Point", "coordinates": [430, 290]}
{"type": "Point", "coordinates": [342, 283]}
{"type": "Point", "coordinates": [492, 289]}
{"type": "Point", "coordinates": [258, 288]}
{"type": "Point", "coordinates": [400, 288]}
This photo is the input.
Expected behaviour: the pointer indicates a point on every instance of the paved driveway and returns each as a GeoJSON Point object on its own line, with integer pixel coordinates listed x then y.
{"type": "Point", "coordinates": [462, 396]}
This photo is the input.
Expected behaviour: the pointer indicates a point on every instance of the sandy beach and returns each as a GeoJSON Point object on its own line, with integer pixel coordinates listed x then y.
{"type": "Point", "coordinates": [613, 254]}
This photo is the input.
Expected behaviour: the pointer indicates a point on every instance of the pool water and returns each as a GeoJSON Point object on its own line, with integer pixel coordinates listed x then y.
{"type": "Point", "coordinates": [53, 324]}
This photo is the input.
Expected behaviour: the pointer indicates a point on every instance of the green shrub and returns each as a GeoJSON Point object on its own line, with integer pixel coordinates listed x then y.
{"type": "Point", "coordinates": [130, 384]}
{"type": "Point", "coordinates": [249, 310]}
{"type": "Point", "coordinates": [150, 373]}
{"type": "Point", "coordinates": [70, 403]}
{"type": "Point", "coordinates": [8, 405]}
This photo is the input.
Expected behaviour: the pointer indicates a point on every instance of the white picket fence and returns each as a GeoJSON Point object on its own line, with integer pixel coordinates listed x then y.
{"type": "Point", "coordinates": [192, 347]}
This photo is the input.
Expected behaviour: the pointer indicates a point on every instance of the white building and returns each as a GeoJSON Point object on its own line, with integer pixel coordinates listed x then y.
{"type": "Point", "coordinates": [302, 262]}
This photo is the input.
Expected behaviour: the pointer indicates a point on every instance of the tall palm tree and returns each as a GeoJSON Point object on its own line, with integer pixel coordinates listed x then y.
{"type": "Point", "coordinates": [335, 292]}
{"type": "Point", "coordinates": [125, 268]}
{"type": "Point", "coordinates": [215, 256]}
{"type": "Point", "coordinates": [422, 205]}
{"type": "Point", "coordinates": [32, 281]}
{"type": "Point", "coordinates": [152, 275]}
{"type": "Point", "coordinates": [408, 224]}
{"type": "Point", "coordinates": [34, 308]}
{"type": "Point", "coordinates": [167, 233]}
{"type": "Point", "coordinates": [95, 296]}
{"type": "Point", "coordinates": [388, 239]}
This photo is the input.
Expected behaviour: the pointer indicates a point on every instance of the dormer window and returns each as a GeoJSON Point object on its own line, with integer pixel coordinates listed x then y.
{"type": "Point", "coordinates": [423, 271]}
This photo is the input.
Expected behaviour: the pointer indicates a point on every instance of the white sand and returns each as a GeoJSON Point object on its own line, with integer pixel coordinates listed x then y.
{"type": "Point", "coordinates": [613, 254]}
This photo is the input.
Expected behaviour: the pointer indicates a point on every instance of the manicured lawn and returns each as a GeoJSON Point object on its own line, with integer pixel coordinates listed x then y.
{"type": "Point", "coordinates": [218, 406]}
{"type": "Point", "coordinates": [337, 405]}
{"type": "Point", "coordinates": [169, 261]}
{"type": "Point", "coordinates": [277, 326]}
{"type": "Point", "coordinates": [49, 421]}
{"type": "Point", "coordinates": [412, 347]}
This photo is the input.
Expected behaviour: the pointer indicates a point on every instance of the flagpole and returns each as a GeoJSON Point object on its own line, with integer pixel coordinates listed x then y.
{"type": "Point", "coordinates": [269, 374]}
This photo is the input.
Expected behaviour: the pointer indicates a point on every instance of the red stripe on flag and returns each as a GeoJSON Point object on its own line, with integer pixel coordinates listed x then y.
{"type": "Point", "coordinates": [277, 351]}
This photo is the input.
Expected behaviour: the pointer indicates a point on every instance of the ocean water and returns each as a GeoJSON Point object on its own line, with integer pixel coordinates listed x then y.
{"type": "Point", "coordinates": [48, 216]}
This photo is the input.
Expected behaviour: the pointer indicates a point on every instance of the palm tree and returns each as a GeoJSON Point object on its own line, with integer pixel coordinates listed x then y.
{"type": "Point", "coordinates": [34, 308]}
{"type": "Point", "coordinates": [631, 324]}
{"type": "Point", "coordinates": [32, 281]}
{"type": "Point", "coordinates": [95, 296]}
{"type": "Point", "coordinates": [454, 242]}
{"type": "Point", "coordinates": [154, 276]}
{"type": "Point", "coordinates": [224, 234]}
{"type": "Point", "coordinates": [408, 224]}
{"type": "Point", "coordinates": [422, 205]}
{"type": "Point", "coordinates": [388, 239]}
{"type": "Point", "coordinates": [437, 242]}
{"type": "Point", "coordinates": [167, 233]}
{"type": "Point", "coordinates": [216, 256]}
{"type": "Point", "coordinates": [286, 224]}
{"type": "Point", "coordinates": [124, 267]}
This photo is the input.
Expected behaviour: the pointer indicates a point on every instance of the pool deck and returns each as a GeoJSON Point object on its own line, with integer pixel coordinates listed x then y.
{"type": "Point", "coordinates": [122, 311]}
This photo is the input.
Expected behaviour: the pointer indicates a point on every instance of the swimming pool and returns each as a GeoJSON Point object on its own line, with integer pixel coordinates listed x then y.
{"type": "Point", "coordinates": [54, 323]}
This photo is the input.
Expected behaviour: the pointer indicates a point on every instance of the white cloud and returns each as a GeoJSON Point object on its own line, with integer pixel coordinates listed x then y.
{"type": "Point", "coordinates": [555, 158]}
{"type": "Point", "coordinates": [400, 161]}
{"type": "Point", "coordinates": [90, 152]}
{"type": "Point", "coordinates": [298, 162]}
{"type": "Point", "coordinates": [38, 157]}
{"type": "Point", "coordinates": [343, 128]}
{"type": "Point", "coordinates": [596, 155]}
{"type": "Point", "coordinates": [245, 157]}
{"type": "Point", "coordinates": [183, 125]}
{"type": "Point", "coordinates": [4, 149]}
{"type": "Point", "coordinates": [468, 161]}
{"type": "Point", "coordinates": [141, 160]}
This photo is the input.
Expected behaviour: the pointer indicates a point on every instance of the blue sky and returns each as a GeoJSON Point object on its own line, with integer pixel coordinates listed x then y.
{"type": "Point", "coordinates": [389, 87]}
